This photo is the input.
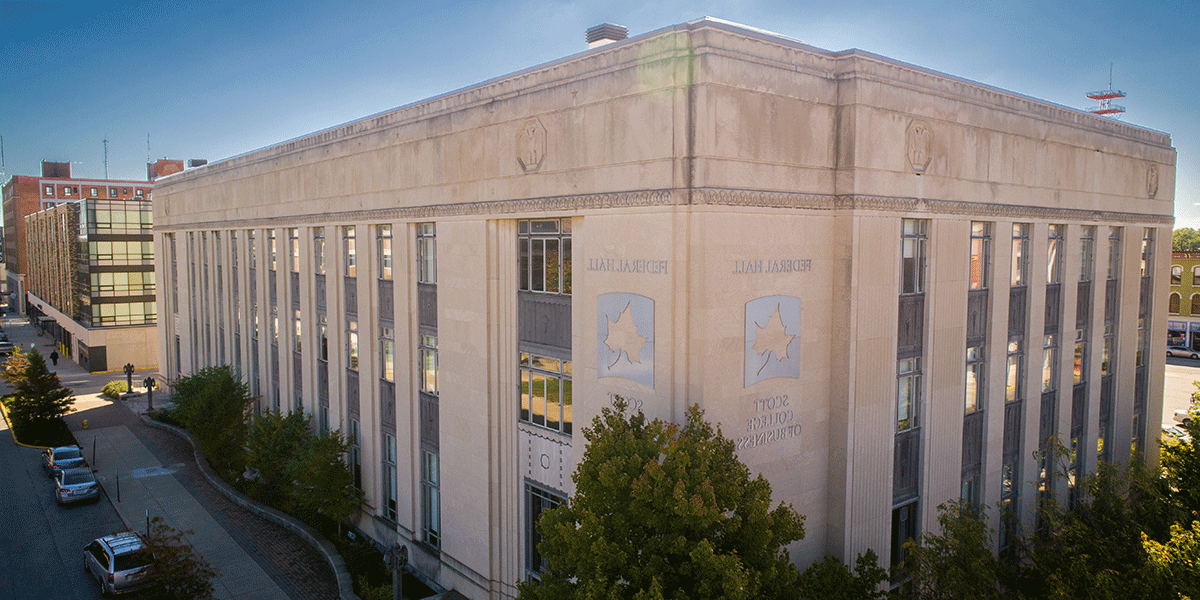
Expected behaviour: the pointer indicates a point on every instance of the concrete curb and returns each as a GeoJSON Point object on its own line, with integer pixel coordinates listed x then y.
{"type": "Point", "coordinates": [310, 535]}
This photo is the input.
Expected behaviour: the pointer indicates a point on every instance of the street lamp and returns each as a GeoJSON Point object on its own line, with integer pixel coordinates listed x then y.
{"type": "Point", "coordinates": [150, 383]}
{"type": "Point", "coordinates": [128, 377]}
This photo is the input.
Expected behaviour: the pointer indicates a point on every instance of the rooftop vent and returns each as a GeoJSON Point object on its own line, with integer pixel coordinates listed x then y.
{"type": "Point", "coordinates": [605, 33]}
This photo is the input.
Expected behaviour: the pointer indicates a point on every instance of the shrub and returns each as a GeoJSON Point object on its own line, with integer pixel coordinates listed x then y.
{"type": "Point", "coordinates": [214, 406]}
{"type": "Point", "coordinates": [115, 388]}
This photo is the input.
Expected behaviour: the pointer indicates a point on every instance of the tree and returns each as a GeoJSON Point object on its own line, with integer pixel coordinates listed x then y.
{"type": "Point", "coordinates": [958, 562]}
{"type": "Point", "coordinates": [40, 396]}
{"type": "Point", "coordinates": [1175, 561]}
{"type": "Point", "coordinates": [14, 367]}
{"type": "Point", "coordinates": [1185, 239]}
{"type": "Point", "coordinates": [273, 441]}
{"type": "Point", "coordinates": [829, 579]}
{"type": "Point", "coordinates": [1181, 462]}
{"type": "Point", "coordinates": [322, 480]}
{"type": "Point", "coordinates": [214, 405]}
{"type": "Point", "coordinates": [663, 511]}
{"type": "Point", "coordinates": [179, 573]}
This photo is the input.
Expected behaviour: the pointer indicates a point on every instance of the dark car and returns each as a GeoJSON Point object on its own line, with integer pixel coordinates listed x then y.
{"type": "Point", "coordinates": [55, 460]}
{"type": "Point", "coordinates": [120, 562]}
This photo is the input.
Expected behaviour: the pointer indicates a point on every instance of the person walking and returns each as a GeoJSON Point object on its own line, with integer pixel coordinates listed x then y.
{"type": "Point", "coordinates": [54, 357]}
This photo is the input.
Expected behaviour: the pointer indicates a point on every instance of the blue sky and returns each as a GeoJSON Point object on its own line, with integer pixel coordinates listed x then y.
{"type": "Point", "coordinates": [215, 78]}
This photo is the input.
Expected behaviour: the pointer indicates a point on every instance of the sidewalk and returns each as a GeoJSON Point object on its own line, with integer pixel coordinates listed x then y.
{"type": "Point", "coordinates": [157, 474]}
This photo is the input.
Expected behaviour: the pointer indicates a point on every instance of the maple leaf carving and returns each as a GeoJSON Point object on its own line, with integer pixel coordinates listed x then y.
{"type": "Point", "coordinates": [623, 338]}
{"type": "Point", "coordinates": [772, 338]}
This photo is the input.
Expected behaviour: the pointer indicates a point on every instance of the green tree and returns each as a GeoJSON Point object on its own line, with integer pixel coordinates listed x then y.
{"type": "Point", "coordinates": [1176, 561]}
{"type": "Point", "coordinates": [829, 579]}
{"type": "Point", "coordinates": [40, 396]}
{"type": "Point", "coordinates": [958, 562]}
{"type": "Point", "coordinates": [273, 442]}
{"type": "Point", "coordinates": [1181, 462]}
{"type": "Point", "coordinates": [322, 480]}
{"type": "Point", "coordinates": [214, 405]}
{"type": "Point", "coordinates": [179, 572]}
{"type": "Point", "coordinates": [14, 367]}
{"type": "Point", "coordinates": [1185, 239]}
{"type": "Point", "coordinates": [663, 511]}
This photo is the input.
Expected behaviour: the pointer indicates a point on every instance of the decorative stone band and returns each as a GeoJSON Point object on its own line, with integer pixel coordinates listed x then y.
{"type": "Point", "coordinates": [680, 197]}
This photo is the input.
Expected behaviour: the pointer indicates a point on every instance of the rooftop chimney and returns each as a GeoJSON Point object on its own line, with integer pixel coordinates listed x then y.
{"type": "Point", "coordinates": [605, 33]}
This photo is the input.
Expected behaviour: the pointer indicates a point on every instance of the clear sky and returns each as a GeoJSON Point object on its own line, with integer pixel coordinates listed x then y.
{"type": "Point", "coordinates": [215, 78]}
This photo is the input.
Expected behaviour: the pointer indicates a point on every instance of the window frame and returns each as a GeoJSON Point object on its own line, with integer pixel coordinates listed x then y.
{"type": "Point", "coordinates": [914, 240]}
{"type": "Point", "coordinates": [1019, 272]}
{"type": "Point", "coordinates": [534, 277]}
{"type": "Point", "coordinates": [532, 368]}
{"type": "Point", "coordinates": [383, 250]}
{"type": "Point", "coordinates": [981, 254]}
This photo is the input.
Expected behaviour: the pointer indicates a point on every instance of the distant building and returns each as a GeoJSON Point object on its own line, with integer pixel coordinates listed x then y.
{"type": "Point", "coordinates": [889, 286]}
{"type": "Point", "coordinates": [1183, 304]}
{"type": "Point", "coordinates": [27, 194]}
{"type": "Point", "coordinates": [91, 282]}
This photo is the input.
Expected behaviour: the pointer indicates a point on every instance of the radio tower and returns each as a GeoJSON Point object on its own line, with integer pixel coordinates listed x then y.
{"type": "Point", "coordinates": [1105, 98]}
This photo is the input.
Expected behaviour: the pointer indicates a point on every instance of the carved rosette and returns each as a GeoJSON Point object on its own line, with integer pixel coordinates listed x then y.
{"type": "Point", "coordinates": [918, 146]}
{"type": "Point", "coordinates": [531, 145]}
{"type": "Point", "coordinates": [1152, 180]}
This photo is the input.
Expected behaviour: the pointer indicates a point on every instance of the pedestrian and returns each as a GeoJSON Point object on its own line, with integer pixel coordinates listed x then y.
{"type": "Point", "coordinates": [54, 357]}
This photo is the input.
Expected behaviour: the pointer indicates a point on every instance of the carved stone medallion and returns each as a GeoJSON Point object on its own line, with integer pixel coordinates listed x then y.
{"type": "Point", "coordinates": [919, 146]}
{"type": "Point", "coordinates": [1152, 180]}
{"type": "Point", "coordinates": [531, 145]}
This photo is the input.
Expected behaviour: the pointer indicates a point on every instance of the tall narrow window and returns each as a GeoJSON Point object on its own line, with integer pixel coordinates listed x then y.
{"type": "Point", "coordinates": [429, 364]}
{"type": "Point", "coordinates": [1147, 251]}
{"type": "Point", "coordinates": [426, 253]}
{"type": "Point", "coordinates": [1013, 388]}
{"type": "Point", "coordinates": [981, 250]}
{"type": "Point", "coordinates": [908, 391]}
{"type": "Point", "coordinates": [1114, 253]}
{"type": "Point", "coordinates": [1173, 303]}
{"type": "Point", "coordinates": [383, 248]}
{"type": "Point", "coordinates": [546, 392]}
{"type": "Point", "coordinates": [431, 499]}
{"type": "Point", "coordinates": [1050, 363]}
{"type": "Point", "coordinates": [974, 390]}
{"type": "Point", "coordinates": [252, 248]}
{"type": "Point", "coordinates": [354, 443]}
{"type": "Point", "coordinates": [389, 476]}
{"type": "Point", "coordinates": [1054, 259]}
{"type": "Point", "coordinates": [294, 249]}
{"type": "Point", "coordinates": [352, 343]}
{"type": "Point", "coordinates": [387, 352]}
{"type": "Point", "coordinates": [296, 337]}
{"type": "Point", "coordinates": [1080, 355]}
{"type": "Point", "coordinates": [1110, 341]}
{"type": "Point", "coordinates": [544, 256]}
{"type": "Point", "coordinates": [912, 262]}
{"type": "Point", "coordinates": [349, 252]}
{"type": "Point", "coordinates": [323, 338]}
{"type": "Point", "coordinates": [1020, 254]}
{"type": "Point", "coordinates": [319, 250]}
{"type": "Point", "coordinates": [1087, 251]}
{"type": "Point", "coordinates": [272, 250]}
{"type": "Point", "coordinates": [537, 501]}
{"type": "Point", "coordinates": [1176, 275]}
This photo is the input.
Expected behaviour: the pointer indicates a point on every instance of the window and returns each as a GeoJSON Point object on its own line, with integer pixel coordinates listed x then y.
{"type": "Point", "coordinates": [323, 338]}
{"type": "Point", "coordinates": [139, 192]}
{"type": "Point", "coordinates": [431, 501]}
{"type": "Point", "coordinates": [904, 528]}
{"type": "Point", "coordinates": [383, 247]}
{"type": "Point", "coordinates": [974, 390]}
{"type": "Point", "coordinates": [981, 250]}
{"type": "Point", "coordinates": [1020, 254]}
{"type": "Point", "coordinates": [427, 352]}
{"type": "Point", "coordinates": [1050, 363]}
{"type": "Point", "coordinates": [319, 250]}
{"type": "Point", "coordinates": [1013, 387]}
{"type": "Point", "coordinates": [354, 444]}
{"type": "Point", "coordinates": [1195, 305]}
{"type": "Point", "coordinates": [908, 392]}
{"type": "Point", "coordinates": [272, 250]}
{"type": "Point", "coordinates": [348, 251]}
{"type": "Point", "coordinates": [233, 249]}
{"type": "Point", "coordinates": [389, 476]}
{"type": "Point", "coordinates": [1087, 251]}
{"type": "Point", "coordinates": [294, 249]}
{"type": "Point", "coordinates": [544, 253]}
{"type": "Point", "coordinates": [252, 248]}
{"type": "Point", "coordinates": [1173, 303]}
{"type": "Point", "coordinates": [1110, 342]}
{"type": "Point", "coordinates": [546, 392]}
{"type": "Point", "coordinates": [426, 253]}
{"type": "Point", "coordinates": [112, 192]}
{"type": "Point", "coordinates": [1176, 275]}
{"type": "Point", "coordinates": [1080, 355]}
{"type": "Point", "coordinates": [1141, 343]}
{"type": "Point", "coordinates": [912, 262]}
{"type": "Point", "coordinates": [1114, 253]}
{"type": "Point", "coordinates": [537, 501]}
{"type": "Point", "coordinates": [95, 192]}
{"type": "Point", "coordinates": [1054, 254]}
{"type": "Point", "coordinates": [352, 343]}
{"type": "Point", "coordinates": [67, 191]}
{"type": "Point", "coordinates": [387, 352]}
{"type": "Point", "coordinates": [49, 191]}
{"type": "Point", "coordinates": [296, 337]}
{"type": "Point", "coordinates": [1147, 251]}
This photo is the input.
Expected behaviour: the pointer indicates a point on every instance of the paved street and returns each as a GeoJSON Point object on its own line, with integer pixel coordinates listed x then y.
{"type": "Point", "coordinates": [1178, 388]}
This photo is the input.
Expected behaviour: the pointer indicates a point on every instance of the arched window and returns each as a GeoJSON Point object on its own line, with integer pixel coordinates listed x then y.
{"type": "Point", "coordinates": [1177, 274]}
{"type": "Point", "coordinates": [1196, 304]}
{"type": "Point", "coordinates": [1173, 305]}
{"type": "Point", "coordinates": [1196, 275]}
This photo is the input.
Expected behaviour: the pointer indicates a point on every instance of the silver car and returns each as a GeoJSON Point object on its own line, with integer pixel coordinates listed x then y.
{"type": "Point", "coordinates": [120, 562]}
{"type": "Point", "coordinates": [62, 457]}
{"type": "Point", "coordinates": [75, 485]}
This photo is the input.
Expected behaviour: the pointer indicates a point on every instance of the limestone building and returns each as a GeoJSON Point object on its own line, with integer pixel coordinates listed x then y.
{"type": "Point", "coordinates": [889, 285]}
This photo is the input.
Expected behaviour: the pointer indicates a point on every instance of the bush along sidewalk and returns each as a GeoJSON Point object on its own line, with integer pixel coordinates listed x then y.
{"type": "Point", "coordinates": [115, 388]}
{"type": "Point", "coordinates": [35, 410]}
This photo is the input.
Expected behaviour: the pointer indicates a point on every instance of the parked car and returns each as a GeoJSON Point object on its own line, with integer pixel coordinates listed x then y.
{"type": "Point", "coordinates": [6, 348]}
{"type": "Point", "coordinates": [120, 562]}
{"type": "Point", "coordinates": [54, 460]}
{"type": "Point", "coordinates": [1170, 431]}
{"type": "Point", "coordinates": [75, 485]}
{"type": "Point", "coordinates": [1182, 415]}
{"type": "Point", "coordinates": [1174, 351]}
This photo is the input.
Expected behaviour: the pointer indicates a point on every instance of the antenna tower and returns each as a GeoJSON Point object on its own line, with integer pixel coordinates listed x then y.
{"type": "Point", "coordinates": [1105, 98]}
{"type": "Point", "coordinates": [106, 158]}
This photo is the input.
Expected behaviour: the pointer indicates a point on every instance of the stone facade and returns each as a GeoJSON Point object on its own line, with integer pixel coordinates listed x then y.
{"type": "Point", "coordinates": [705, 214]}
